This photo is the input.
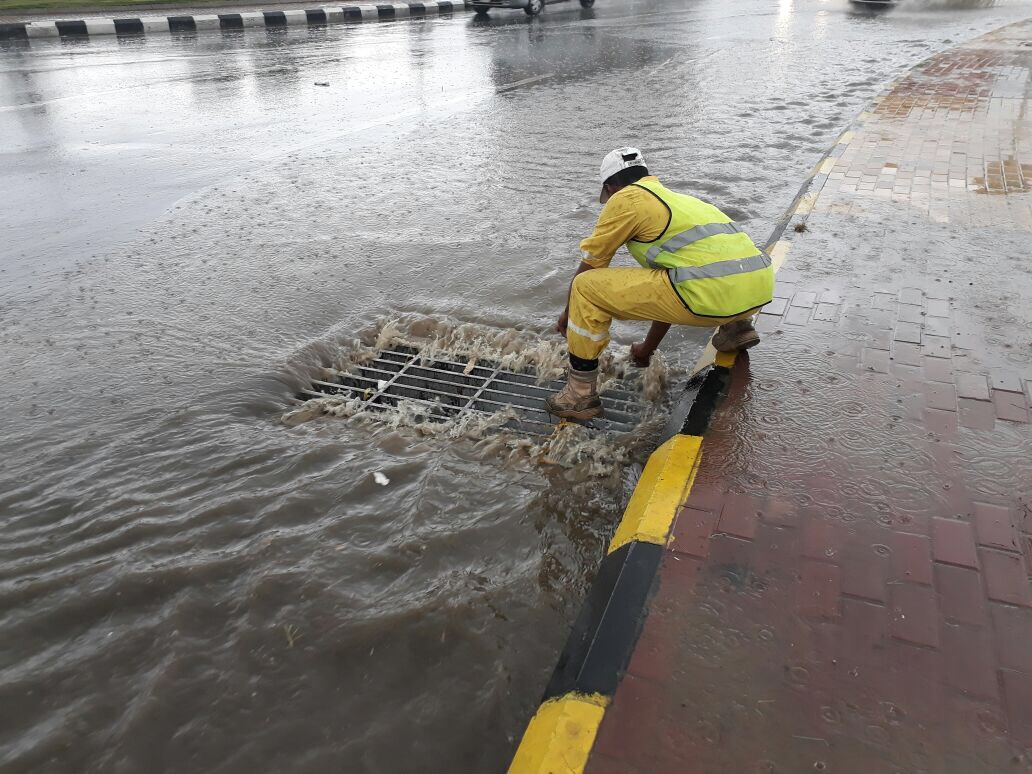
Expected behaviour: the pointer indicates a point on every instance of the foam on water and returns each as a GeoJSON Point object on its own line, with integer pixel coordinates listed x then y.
{"type": "Point", "coordinates": [509, 348]}
{"type": "Point", "coordinates": [513, 349]}
{"type": "Point", "coordinates": [569, 445]}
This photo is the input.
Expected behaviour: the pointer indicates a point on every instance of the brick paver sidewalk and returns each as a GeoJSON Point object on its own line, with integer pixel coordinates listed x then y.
{"type": "Point", "coordinates": [847, 589]}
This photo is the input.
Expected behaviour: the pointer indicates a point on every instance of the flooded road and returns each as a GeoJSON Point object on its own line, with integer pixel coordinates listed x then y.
{"type": "Point", "coordinates": [191, 225]}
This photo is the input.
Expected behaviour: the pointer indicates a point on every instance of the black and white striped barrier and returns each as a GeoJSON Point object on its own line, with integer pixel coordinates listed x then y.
{"type": "Point", "coordinates": [224, 21]}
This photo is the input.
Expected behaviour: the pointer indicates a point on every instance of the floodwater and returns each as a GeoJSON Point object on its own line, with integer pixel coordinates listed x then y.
{"type": "Point", "coordinates": [191, 226]}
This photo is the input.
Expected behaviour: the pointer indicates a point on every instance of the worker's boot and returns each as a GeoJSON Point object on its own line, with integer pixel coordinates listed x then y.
{"type": "Point", "coordinates": [736, 335]}
{"type": "Point", "coordinates": [578, 399]}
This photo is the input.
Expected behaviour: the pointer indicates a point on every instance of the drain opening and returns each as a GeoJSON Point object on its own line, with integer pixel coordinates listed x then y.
{"type": "Point", "coordinates": [449, 389]}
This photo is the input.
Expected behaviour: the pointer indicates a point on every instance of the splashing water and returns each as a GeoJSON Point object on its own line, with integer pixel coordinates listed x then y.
{"type": "Point", "coordinates": [569, 445]}
{"type": "Point", "coordinates": [512, 350]}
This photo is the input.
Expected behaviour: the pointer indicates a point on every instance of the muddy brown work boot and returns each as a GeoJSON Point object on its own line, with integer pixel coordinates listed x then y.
{"type": "Point", "coordinates": [578, 399]}
{"type": "Point", "coordinates": [736, 335]}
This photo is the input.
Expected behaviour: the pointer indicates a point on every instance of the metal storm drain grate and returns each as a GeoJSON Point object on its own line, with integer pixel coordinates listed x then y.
{"type": "Point", "coordinates": [449, 389]}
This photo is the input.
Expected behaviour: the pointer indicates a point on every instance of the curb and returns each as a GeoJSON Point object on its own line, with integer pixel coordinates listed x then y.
{"type": "Point", "coordinates": [561, 734]}
{"type": "Point", "coordinates": [779, 242]}
{"type": "Point", "coordinates": [150, 25]}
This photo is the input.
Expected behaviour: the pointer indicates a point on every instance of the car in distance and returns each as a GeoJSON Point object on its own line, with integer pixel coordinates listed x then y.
{"type": "Point", "coordinates": [530, 7]}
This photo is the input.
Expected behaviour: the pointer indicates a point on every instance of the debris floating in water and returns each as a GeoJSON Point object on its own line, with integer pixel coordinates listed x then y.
{"type": "Point", "coordinates": [380, 478]}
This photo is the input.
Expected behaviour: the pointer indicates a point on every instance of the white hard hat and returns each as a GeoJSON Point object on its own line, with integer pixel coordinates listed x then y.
{"type": "Point", "coordinates": [616, 160]}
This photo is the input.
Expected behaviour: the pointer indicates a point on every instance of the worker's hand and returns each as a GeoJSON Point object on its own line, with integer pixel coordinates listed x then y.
{"type": "Point", "coordinates": [641, 354]}
{"type": "Point", "coordinates": [564, 319]}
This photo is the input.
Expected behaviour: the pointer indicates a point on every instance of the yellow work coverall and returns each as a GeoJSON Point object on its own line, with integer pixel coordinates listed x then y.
{"type": "Point", "coordinates": [603, 294]}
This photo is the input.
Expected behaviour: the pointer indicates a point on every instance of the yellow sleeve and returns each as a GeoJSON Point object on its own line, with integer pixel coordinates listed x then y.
{"type": "Point", "coordinates": [618, 222]}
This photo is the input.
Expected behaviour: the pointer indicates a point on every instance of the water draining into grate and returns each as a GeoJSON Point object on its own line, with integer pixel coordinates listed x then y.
{"type": "Point", "coordinates": [450, 389]}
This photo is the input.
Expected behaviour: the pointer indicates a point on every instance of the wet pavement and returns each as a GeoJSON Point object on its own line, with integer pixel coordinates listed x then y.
{"type": "Point", "coordinates": [848, 586]}
{"type": "Point", "coordinates": [191, 226]}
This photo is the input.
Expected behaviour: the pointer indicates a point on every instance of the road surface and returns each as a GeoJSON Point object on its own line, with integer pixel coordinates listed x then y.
{"type": "Point", "coordinates": [190, 223]}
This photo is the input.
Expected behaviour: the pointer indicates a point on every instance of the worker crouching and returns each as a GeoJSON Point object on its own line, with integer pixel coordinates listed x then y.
{"type": "Point", "coordinates": [698, 268]}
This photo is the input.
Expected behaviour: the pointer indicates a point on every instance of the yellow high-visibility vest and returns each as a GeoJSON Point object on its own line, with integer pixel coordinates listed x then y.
{"type": "Point", "coordinates": [713, 265]}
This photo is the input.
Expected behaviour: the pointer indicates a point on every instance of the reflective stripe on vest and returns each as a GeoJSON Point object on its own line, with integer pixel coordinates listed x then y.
{"type": "Point", "coordinates": [685, 238]}
{"type": "Point", "coordinates": [719, 269]}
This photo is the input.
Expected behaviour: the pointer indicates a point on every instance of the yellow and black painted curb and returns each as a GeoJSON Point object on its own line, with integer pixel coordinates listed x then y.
{"type": "Point", "coordinates": [194, 23]}
{"type": "Point", "coordinates": [560, 735]}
